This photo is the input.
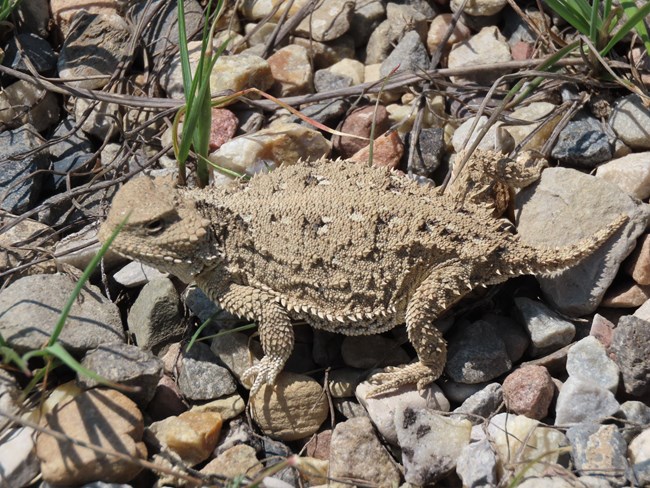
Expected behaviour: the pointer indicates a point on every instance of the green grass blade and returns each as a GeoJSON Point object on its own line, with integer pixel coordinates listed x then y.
{"type": "Point", "coordinates": [80, 284]}
{"type": "Point", "coordinates": [637, 17]}
{"type": "Point", "coordinates": [630, 9]}
{"type": "Point", "coordinates": [182, 44]}
{"type": "Point", "coordinates": [571, 14]}
{"type": "Point", "coordinates": [593, 23]}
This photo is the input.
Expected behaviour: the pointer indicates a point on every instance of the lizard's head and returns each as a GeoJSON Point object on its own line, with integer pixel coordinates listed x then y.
{"type": "Point", "coordinates": [163, 229]}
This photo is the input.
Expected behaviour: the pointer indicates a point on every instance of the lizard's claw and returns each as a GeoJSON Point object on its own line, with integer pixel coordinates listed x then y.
{"type": "Point", "coordinates": [394, 377]}
{"type": "Point", "coordinates": [266, 371]}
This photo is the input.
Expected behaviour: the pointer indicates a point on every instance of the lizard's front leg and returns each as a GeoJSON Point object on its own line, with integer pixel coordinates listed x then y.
{"type": "Point", "coordinates": [276, 332]}
{"type": "Point", "coordinates": [445, 285]}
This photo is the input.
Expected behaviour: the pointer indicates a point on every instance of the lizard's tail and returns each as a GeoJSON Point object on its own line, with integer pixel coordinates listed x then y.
{"type": "Point", "coordinates": [527, 259]}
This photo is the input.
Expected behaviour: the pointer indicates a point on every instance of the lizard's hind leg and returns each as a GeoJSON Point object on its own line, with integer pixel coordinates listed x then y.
{"type": "Point", "coordinates": [446, 285]}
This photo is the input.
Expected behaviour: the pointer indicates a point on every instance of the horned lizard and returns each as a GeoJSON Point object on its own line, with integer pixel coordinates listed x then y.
{"type": "Point", "coordinates": [345, 247]}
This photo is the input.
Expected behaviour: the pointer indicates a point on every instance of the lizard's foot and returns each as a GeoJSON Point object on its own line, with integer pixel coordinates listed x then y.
{"type": "Point", "coordinates": [395, 376]}
{"type": "Point", "coordinates": [266, 371]}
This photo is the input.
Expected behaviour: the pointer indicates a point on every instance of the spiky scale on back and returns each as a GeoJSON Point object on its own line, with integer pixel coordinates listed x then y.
{"type": "Point", "coordinates": [347, 247]}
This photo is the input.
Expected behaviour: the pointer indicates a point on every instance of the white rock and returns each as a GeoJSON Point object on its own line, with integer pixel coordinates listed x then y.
{"type": "Point", "coordinates": [430, 443]}
{"type": "Point", "coordinates": [582, 401]}
{"type": "Point", "coordinates": [479, 8]}
{"type": "Point", "coordinates": [639, 454]}
{"type": "Point", "coordinates": [630, 173]}
{"type": "Point", "coordinates": [588, 360]}
{"type": "Point", "coordinates": [520, 442]}
{"type": "Point", "coordinates": [486, 47]}
{"type": "Point", "coordinates": [495, 139]}
{"type": "Point", "coordinates": [137, 274]}
{"type": "Point", "coordinates": [18, 463]}
{"type": "Point", "coordinates": [630, 120]}
{"type": "Point", "coordinates": [382, 409]}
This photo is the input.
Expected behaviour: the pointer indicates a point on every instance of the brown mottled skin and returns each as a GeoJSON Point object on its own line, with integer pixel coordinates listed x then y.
{"type": "Point", "coordinates": [346, 247]}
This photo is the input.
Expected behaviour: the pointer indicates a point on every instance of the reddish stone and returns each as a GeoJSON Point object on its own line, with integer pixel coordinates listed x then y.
{"type": "Point", "coordinates": [638, 265]}
{"type": "Point", "coordinates": [626, 295]}
{"type": "Point", "coordinates": [528, 391]}
{"type": "Point", "coordinates": [319, 446]}
{"type": "Point", "coordinates": [602, 329]}
{"type": "Point", "coordinates": [167, 400]}
{"type": "Point", "coordinates": [358, 123]}
{"type": "Point", "coordinates": [522, 51]}
{"type": "Point", "coordinates": [388, 150]}
{"type": "Point", "coordinates": [223, 128]}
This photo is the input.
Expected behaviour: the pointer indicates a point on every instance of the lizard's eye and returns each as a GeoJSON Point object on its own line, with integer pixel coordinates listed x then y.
{"type": "Point", "coordinates": [155, 227]}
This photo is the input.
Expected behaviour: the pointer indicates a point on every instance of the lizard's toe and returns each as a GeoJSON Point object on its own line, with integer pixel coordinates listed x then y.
{"type": "Point", "coordinates": [392, 378]}
{"type": "Point", "coordinates": [266, 371]}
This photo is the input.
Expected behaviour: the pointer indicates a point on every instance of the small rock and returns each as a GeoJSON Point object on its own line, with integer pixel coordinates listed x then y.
{"type": "Point", "coordinates": [191, 435]}
{"type": "Point", "coordinates": [159, 20]}
{"type": "Point", "coordinates": [479, 8]}
{"type": "Point", "coordinates": [401, 20]}
{"type": "Point", "coordinates": [232, 351]}
{"type": "Point", "coordinates": [537, 113]}
{"type": "Point", "coordinates": [495, 139]}
{"type": "Point", "coordinates": [98, 119]}
{"type": "Point", "coordinates": [342, 382]}
{"type": "Point", "coordinates": [588, 360]}
{"type": "Point", "coordinates": [482, 404]}
{"type": "Point", "coordinates": [293, 408]}
{"type": "Point", "coordinates": [237, 432]}
{"type": "Point", "coordinates": [477, 465]}
{"type": "Point", "coordinates": [523, 445]}
{"type": "Point", "coordinates": [367, 15]}
{"type": "Point", "coordinates": [239, 72]}
{"type": "Point", "coordinates": [201, 378]}
{"type": "Point", "coordinates": [409, 55]}
{"type": "Point", "coordinates": [127, 365]}
{"type": "Point", "coordinates": [27, 324]}
{"type": "Point", "coordinates": [359, 123]}
{"type": "Point", "coordinates": [583, 401]}
{"type": "Point", "coordinates": [602, 329]}
{"type": "Point", "coordinates": [430, 148]}
{"type": "Point", "coordinates": [512, 333]}
{"type": "Point", "coordinates": [326, 54]}
{"type": "Point", "coordinates": [33, 17]}
{"type": "Point", "coordinates": [327, 113]}
{"type": "Point", "coordinates": [223, 127]}
{"type": "Point", "coordinates": [636, 416]}
{"type": "Point", "coordinates": [167, 400]}
{"type": "Point", "coordinates": [528, 391]}
{"type": "Point", "coordinates": [356, 453]}
{"type": "Point", "coordinates": [329, 21]}
{"type": "Point", "coordinates": [522, 51]}
{"type": "Point", "coordinates": [83, 418]}
{"type": "Point", "coordinates": [64, 11]}
{"type": "Point", "coordinates": [438, 30]}
{"type": "Point", "coordinates": [638, 264]}
{"type": "Point", "coordinates": [599, 450]}
{"type": "Point", "coordinates": [228, 407]}
{"type": "Point", "coordinates": [349, 408]}
{"type": "Point", "coordinates": [21, 196]}
{"type": "Point", "coordinates": [486, 47]}
{"type": "Point", "coordinates": [78, 59]}
{"type": "Point", "coordinates": [548, 331]}
{"type": "Point", "coordinates": [291, 69]}
{"type": "Point", "coordinates": [643, 312]}
{"type": "Point", "coordinates": [32, 47]}
{"type": "Point", "coordinates": [630, 173]}
{"type": "Point", "coordinates": [582, 143]}
{"type": "Point", "coordinates": [629, 120]}
{"type": "Point", "coordinates": [639, 453]}
{"type": "Point", "coordinates": [65, 172]}
{"type": "Point", "coordinates": [460, 392]}
{"type": "Point", "coordinates": [199, 304]}
{"type": "Point", "coordinates": [18, 245]}
{"type": "Point", "coordinates": [388, 150]}
{"type": "Point", "coordinates": [350, 68]}
{"type": "Point", "coordinates": [136, 274]}
{"type": "Point", "coordinates": [382, 409]}
{"type": "Point", "coordinates": [18, 464]}
{"type": "Point", "coordinates": [239, 460]}
{"type": "Point", "coordinates": [430, 443]}
{"type": "Point", "coordinates": [476, 354]}
{"type": "Point", "coordinates": [629, 349]}
{"type": "Point", "coordinates": [319, 446]}
{"type": "Point", "coordinates": [279, 144]}
{"type": "Point", "coordinates": [155, 318]}
{"type": "Point", "coordinates": [573, 199]}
